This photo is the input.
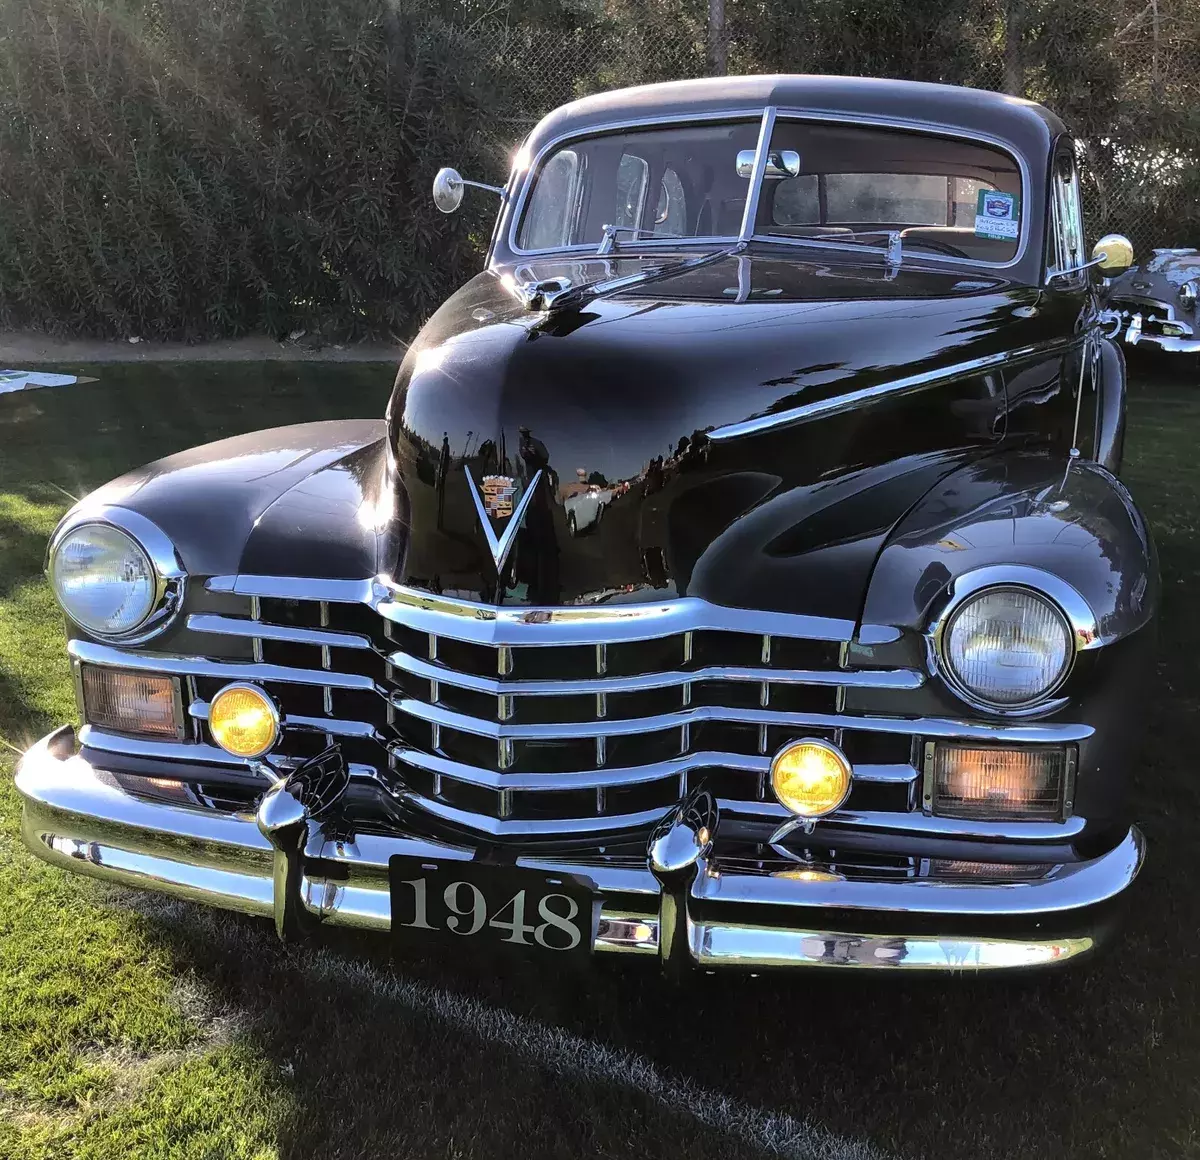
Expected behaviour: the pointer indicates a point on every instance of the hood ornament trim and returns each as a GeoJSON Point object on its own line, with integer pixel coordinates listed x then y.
{"type": "Point", "coordinates": [501, 547]}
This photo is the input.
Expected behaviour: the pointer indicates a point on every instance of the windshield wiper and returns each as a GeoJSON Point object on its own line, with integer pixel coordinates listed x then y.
{"type": "Point", "coordinates": [608, 243]}
{"type": "Point", "coordinates": [893, 253]}
{"type": "Point", "coordinates": [555, 294]}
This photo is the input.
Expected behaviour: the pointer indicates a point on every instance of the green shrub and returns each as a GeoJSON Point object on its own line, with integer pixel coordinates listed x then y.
{"type": "Point", "coordinates": [187, 170]}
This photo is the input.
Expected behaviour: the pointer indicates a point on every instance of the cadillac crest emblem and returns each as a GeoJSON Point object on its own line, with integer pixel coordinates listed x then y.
{"type": "Point", "coordinates": [498, 491]}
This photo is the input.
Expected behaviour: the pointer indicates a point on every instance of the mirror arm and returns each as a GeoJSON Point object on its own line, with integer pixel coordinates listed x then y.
{"type": "Point", "coordinates": [497, 189]}
{"type": "Point", "coordinates": [1098, 260]}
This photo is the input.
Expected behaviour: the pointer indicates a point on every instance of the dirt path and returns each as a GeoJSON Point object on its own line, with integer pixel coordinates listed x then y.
{"type": "Point", "coordinates": [20, 348]}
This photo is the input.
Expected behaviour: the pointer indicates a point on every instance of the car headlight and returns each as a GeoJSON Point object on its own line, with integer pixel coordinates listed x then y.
{"type": "Point", "coordinates": [1188, 294]}
{"type": "Point", "coordinates": [103, 579]}
{"type": "Point", "coordinates": [1007, 647]}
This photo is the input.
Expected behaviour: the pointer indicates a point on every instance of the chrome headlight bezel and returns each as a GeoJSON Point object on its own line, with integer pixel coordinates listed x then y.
{"type": "Point", "coordinates": [170, 578]}
{"type": "Point", "coordinates": [1064, 600]}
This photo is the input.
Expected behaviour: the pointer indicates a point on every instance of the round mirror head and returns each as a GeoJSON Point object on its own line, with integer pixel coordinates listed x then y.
{"type": "Point", "coordinates": [448, 190]}
{"type": "Point", "coordinates": [1117, 250]}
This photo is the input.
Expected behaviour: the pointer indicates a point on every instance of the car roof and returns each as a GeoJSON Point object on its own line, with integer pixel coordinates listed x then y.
{"type": "Point", "coordinates": [1027, 127]}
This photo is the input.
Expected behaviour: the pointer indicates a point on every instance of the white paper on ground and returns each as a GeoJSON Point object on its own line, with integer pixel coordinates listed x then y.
{"type": "Point", "coordinates": [31, 380]}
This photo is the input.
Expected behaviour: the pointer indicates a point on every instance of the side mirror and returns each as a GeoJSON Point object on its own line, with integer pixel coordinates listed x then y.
{"type": "Point", "coordinates": [449, 186]}
{"type": "Point", "coordinates": [448, 190]}
{"type": "Point", "coordinates": [1113, 253]}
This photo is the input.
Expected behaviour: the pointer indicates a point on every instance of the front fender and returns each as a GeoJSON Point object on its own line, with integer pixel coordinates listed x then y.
{"type": "Point", "coordinates": [1076, 522]}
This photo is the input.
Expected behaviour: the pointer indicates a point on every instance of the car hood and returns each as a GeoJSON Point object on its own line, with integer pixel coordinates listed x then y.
{"type": "Point", "coordinates": [616, 411]}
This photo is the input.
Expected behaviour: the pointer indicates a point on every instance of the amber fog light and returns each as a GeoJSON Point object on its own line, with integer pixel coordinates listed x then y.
{"type": "Point", "coordinates": [243, 720]}
{"type": "Point", "coordinates": [992, 784]}
{"type": "Point", "coordinates": [811, 777]}
{"type": "Point", "coordinates": [131, 702]}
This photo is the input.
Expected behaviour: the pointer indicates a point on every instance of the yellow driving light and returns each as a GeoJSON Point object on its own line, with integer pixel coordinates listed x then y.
{"type": "Point", "coordinates": [811, 777]}
{"type": "Point", "coordinates": [243, 720]}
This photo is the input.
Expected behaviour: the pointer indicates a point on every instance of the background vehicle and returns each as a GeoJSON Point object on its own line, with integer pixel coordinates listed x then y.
{"type": "Point", "coordinates": [1158, 302]}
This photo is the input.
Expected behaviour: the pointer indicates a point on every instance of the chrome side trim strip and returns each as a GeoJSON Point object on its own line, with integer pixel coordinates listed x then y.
{"type": "Point", "coordinates": [631, 775]}
{"type": "Point", "coordinates": [562, 625]}
{"type": "Point", "coordinates": [1064, 888]}
{"type": "Point", "coordinates": [99, 654]}
{"type": "Point", "coordinates": [736, 945]}
{"type": "Point", "coordinates": [365, 591]}
{"type": "Point", "coordinates": [837, 404]}
{"type": "Point", "coordinates": [193, 751]}
{"type": "Point", "coordinates": [519, 828]}
{"type": "Point", "coordinates": [916, 823]}
{"type": "Point", "coordinates": [863, 679]}
{"type": "Point", "coordinates": [198, 710]}
{"type": "Point", "coordinates": [233, 626]}
{"type": "Point", "coordinates": [595, 624]}
{"type": "Point", "coordinates": [610, 727]}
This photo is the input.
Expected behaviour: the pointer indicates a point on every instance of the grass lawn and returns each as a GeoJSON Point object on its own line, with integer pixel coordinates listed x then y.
{"type": "Point", "coordinates": [132, 1025]}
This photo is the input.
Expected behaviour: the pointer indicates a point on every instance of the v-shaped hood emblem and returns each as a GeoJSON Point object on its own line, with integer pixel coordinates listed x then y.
{"type": "Point", "coordinates": [502, 546]}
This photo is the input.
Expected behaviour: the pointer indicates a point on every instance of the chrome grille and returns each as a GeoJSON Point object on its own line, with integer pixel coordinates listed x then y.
{"type": "Point", "coordinates": [567, 720]}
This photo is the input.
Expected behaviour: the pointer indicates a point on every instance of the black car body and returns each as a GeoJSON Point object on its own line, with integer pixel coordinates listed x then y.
{"type": "Point", "coordinates": [842, 671]}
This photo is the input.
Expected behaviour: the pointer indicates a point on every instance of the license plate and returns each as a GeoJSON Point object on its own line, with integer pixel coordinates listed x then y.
{"type": "Point", "coordinates": [506, 906]}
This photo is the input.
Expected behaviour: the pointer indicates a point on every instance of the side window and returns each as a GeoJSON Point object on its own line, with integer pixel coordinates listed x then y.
{"type": "Point", "coordinates": [1068, 213]}
{"type": "Point", "coordinates": [633, 176]}
{"type": "Point", "coordinates": [551, 216]}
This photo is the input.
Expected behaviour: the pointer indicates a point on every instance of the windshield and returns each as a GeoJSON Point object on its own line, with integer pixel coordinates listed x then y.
{"type": "Point", "coordinates": [826, 181]}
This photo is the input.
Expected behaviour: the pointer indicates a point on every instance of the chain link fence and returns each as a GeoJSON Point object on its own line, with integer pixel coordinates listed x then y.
{"type": "Point", "coordinates": [1131, 98]}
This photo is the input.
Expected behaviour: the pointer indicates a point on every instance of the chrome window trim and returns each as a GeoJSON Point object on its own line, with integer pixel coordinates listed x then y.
{"type": "Point", "coordinates": [896, 387]}
{"type": "Point", "coordinates": [908, 124]}
{"type": "Point", "coordinates": [1075, 610]}
{"type": "Point", "coordinates": [159, 550]}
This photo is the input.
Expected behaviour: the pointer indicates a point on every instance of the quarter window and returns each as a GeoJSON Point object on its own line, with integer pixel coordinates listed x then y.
{"type": "Point", "coordinates": [1068, 213]}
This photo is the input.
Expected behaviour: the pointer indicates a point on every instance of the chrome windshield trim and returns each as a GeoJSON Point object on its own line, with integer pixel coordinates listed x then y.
{"type": "Point", "coordinates": [610, 727]}
{"type": "Point", "coordinates": [758, 172]}
{"type": "Point", "coordinates": [837, 404]}
{"type": "Point", "coordinates": [780, 112]}
{"type": "Point", "coordinates": [862, 679]}
{"type": "Point", "coordinates": [235, 626]}
{"type": "Point", "coordinates": [99, 654]}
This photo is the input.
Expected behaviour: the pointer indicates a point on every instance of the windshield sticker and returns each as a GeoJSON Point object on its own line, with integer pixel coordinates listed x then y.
{"type": "Point", "coordinates": [998, 215]}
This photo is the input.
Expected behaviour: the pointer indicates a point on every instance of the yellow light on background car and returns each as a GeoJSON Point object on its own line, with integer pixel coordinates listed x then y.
{"type": "Point", "coordinates": [243, 720]}
{"type": "Point", "coordinates": [811, 777]}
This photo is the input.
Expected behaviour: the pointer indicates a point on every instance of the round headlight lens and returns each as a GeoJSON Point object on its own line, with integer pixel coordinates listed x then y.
{"type": "Point", "coordinates": [243, 720]}
{"type": "Point", "coordinates": [811, 777]}
{"type": "Point", "coordinates": [103, 579]}
{"type": "Point", "coordinates": [1008, 647]}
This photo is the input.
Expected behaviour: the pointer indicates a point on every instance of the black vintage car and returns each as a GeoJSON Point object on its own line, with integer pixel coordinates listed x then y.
{"type": "Point", "coordinates": [741, 576]}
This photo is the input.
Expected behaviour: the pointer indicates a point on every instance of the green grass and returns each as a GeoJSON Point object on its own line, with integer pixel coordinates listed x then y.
{"type": "Point", "coordinates": [135, 1026]}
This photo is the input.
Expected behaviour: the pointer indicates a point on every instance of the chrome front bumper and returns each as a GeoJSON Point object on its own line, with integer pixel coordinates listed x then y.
{"type": "Point", "coordinates": [708, 915]}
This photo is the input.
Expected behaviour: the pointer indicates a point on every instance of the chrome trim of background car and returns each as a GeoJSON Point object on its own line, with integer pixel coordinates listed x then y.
{"type": "Point", "coordinates": [73, 818]}
{"type": "Point", "coordinates": [781, 112]}
{"type": "Point", "coordinates": [737, 945]}
{"type": "Point", "coordinates": [172, 578]}
{"type": "Point", "coordinates": [853, 400]}
{"type": "Point", "coordinates": [1171, 344]}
